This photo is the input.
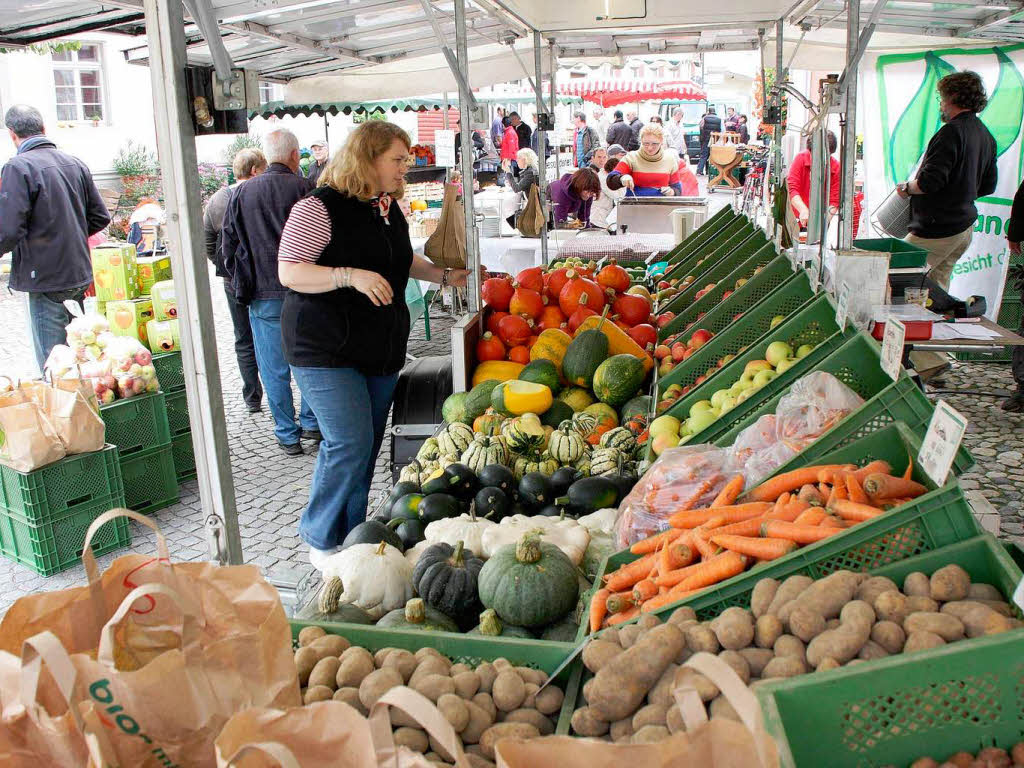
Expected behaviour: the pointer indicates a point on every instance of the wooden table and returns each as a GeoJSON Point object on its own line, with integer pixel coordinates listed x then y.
{"type": "Point", "coordinates": [1005, 339]}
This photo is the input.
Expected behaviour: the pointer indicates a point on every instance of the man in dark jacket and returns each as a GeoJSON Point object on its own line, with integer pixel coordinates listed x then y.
{"type": "Point", "coordinates": [1014, 237]}
{"type": "Point", "coordinates": [320, 157]}
{"type": "Point", "coordinates": [710, 123]}
{"type": "Point", "coordinates": [49, 206]}
{"type": "Point", "coordinates": [635, 124]}
{"type": "Point", "coordinates": [619, 131]}
{"type": "Point", "coordinates": [523, 131]}
{"type": "Point", "coordinates": [249, 241]}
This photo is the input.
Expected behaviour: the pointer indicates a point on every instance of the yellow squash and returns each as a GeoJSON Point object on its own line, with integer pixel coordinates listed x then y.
{"type": "Point", "coordinates": [551, 345]}
{"type": "Point", "coordinates": [500, 370]}
{"type": "Point", "coordinates": [619, 342]}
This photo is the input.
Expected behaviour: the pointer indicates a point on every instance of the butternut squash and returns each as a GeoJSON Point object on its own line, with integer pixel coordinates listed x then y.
{"type": "Point", "coordinates": [619, 342]}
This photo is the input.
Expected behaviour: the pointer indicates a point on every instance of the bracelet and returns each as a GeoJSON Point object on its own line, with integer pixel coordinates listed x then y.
{"type": "Point", "coordinates": [444, 277]}
{"type": "Point", "coordinates": [348, 277]}
{"type": "Point", "coordinates": [335, 276]}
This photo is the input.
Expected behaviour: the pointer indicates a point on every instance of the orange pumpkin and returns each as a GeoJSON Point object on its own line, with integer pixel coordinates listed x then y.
{"type": "Point", "coordinates": [520, 354]}
{"type": "Point", "coordinates": [526, 302]}
{"type": "Point", "coordinates": [489, 347]}
{"type": "Point", "coordinates": [551, 317]}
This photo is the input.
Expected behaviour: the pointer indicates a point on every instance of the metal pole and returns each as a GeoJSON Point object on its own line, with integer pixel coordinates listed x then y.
{"type": "Point", "coordinates": [849, 156]}
{"type": "Point", "coordinates": [779, 76]}
{"type": "Point", "coordinates": [554, 111]}
{"type": "Point", "coordinates": [542, 143]}
{"type": "Point", "coordinates": [177, 151]}
{"type": "Point", "coordinates": [466, 135]}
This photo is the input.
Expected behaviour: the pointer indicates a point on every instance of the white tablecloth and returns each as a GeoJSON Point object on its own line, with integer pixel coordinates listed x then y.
{"type": "Point", "coordinates": [504, 254]}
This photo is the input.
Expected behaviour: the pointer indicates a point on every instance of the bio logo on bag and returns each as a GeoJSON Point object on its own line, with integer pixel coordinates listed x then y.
{"type": "Point", "coordinates": [101, 694]}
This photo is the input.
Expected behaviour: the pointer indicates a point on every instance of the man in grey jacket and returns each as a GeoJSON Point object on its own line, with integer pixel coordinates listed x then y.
{"type": "Point", "coordinates": [49, 206]}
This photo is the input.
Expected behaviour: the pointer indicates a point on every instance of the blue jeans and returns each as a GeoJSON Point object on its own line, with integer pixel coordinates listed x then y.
{"type": "Point", "coordinates": [352, 410]}
{"type": "Point", "coordinates": [48, 320]}
{"type": "Point", "coordinates": [265, 318]}
{"type": "Point", "coordinates": [702, 161]}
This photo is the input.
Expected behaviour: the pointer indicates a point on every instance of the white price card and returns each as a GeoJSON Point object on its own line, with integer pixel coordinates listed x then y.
{"type": "Point", "coordinates": [941, 442]}
{"type": "Point", "coordinates": [444, 148]}
{"type": "Point", "coordinates": [842, 306]}
{"type": "Point", "coordinates": [892, 347]}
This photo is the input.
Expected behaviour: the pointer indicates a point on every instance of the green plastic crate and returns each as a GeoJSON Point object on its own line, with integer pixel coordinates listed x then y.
{"type": "Point", "coordinates": [702, 235]}
{"type": "Point", "coordinates": [963, 696]}
{"type": "Point", "coordinates": [184, 457]}
{"type": "Point", "coordinates": [731, 235]}
{"type": "Point", "coordinates": [56, 545]}
{"type": "Point", "coordinates": [902, 255]}
{"type": "Point", "coordinates": [170, 371]}
{"type": "Point", "coordinates": [150, 482]}
{"type": "Point", "coordinates": [62, 487]}
{"type": "Point", "coordinates": [938, 518]}
{"type": "Point", "coordinates": [815, 323]}
{"type": "Point", "coordinates": [177, 413]}
{"type": "Point", "coordinates": [137, 424]}
{"type": "Point", "coordinates": [467, 649]}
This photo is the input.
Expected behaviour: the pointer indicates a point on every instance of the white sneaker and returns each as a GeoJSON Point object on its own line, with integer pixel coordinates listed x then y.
{"type": "Point", "coordinates": [318, 557]}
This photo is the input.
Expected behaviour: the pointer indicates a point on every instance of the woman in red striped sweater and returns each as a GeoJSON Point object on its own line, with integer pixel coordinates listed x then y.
{"type": "Point", "coordinates": [651, 170]}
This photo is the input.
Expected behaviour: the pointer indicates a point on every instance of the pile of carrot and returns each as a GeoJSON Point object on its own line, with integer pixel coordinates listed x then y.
{"type": "Point", "coordinates": [706, 546]}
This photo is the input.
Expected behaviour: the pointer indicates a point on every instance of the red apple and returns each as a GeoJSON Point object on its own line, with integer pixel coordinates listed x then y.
{"type": "Point", "coordinates": [700, 338]}
{"type": "Point", "coordinates": [689, 351]}
{"type": "Point", "coordinates": [663, 284]}
{"type": "Point", "coordinates": [700, 380]}
{"type": "Point", "coordinates": [726, 295]}
{"type": "Point", "coordinates": [686, 390]}
{"type": "Point", "coordinates": [665, 318]}
{"type": "Point", "coordinates": [700, 294]}
{"type": "Point", "coordinates": [711, 372]}
{"type": "Point", "coordinates": [737, 316]}
{"type": "Point", "coordinates": [664, 405]}
{"type": "Point", "coordinates": [678, 352]}
{"type": "Point", "coordinates": [661, 352]}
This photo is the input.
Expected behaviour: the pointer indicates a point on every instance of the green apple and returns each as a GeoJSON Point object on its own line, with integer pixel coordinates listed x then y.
{"type": "Point", "coordinates": [777, 352]}
{"type": "Point", "coordinates": [776, 320]}
{"type": "Point", "coordinates": [745, 394]}
{"type": "Point", "coordinates": [804, 350]}
{"type": "Point", "coordinates": [785, 365]}
{"type": "Point", "coordinates": [763, 378]}
{"type": "Point", "coordinates": [737, 389]}
{"type": "Point", "coordinates": [674, 388]}
{"type": "Point", "coordinates": [728, 403]}
{"type": "Point", "coordinates": [757, 365]}
{"type": "Point", "coordinates": [700, 421]}
{"type": "Point", "coordinates": [684, 439]}
{"type": "Point", "coordinates": [747, 379]}
{"type": "Point", "coordinates": [701, 406]}
{"type": "Point", "coordinates": [664, 425]}
{"type": "Point", "coordinates": [719, 397]}
{"type": "Point", "coordinates": [663, 441]}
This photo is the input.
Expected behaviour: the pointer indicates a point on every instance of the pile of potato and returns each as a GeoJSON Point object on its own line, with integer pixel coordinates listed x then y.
{"type": "Point", "coordinates": [491, 702]}
{"type": "Point", "coordinates": [990, 757]}
{"type": "Point", "coordinates": [793, 627]}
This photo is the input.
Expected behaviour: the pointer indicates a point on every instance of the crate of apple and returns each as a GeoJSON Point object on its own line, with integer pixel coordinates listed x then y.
{"type": "Point", "coordinates": [671, 355]}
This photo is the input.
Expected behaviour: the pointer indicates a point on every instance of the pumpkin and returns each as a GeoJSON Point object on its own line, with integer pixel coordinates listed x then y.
{"type": "Point", "coordinates": [489, 423]}
{"type": "Point", "coordinates": [490, 347]}
{"type": "Point", "coordinates": [478, 399]}
{"type": "Point", "coordinates": [493, 503]}
{"type": "Point", "coordinates": [566, 445]}
{"type": "Point", "coordinates": [526, 464]}
{"type": "Point", "coordinates": [586, 352]}
{"type": "Point", "coordinates": [556, 414]}
{"type": "Point", "coordinates": [493, 319]}
{"type": "Point", "coordinates": [429, 450]}
{"type": "Point", "coordinates": [552, 344]}
{"type": "Point", "coordinates": [532, 278]}
{"type": "Point", "coordinates": [578, 292]}
{"type": "Point", "coordinates": [467, 528]}
{"type": "Point", "coordinates": [576, 398]}
{"type": "Point", "coordinates": [484, 450]}
{"type": "Point", "coordinates": [645, 335]}
{"type": "Point", "coordinates": [584, 423]}
{"type": "Point", "coordinates": [632, 310]}
{"type": "Point", "coordinates": [619, 342]}
{"type": "Point", "coordinates": [446, 576]}
{"type": "Point", "coordinates": [496, 476]}
{"type": "Point", "coordinates": [497, 293]}
{"type": "Point", "coordinates": [638, 406]}
{"type": "Point", "coordinates": [515, 398]}
{"type": "Point", "coordinates": [564, 631]}
{"type": "Point", "coordinates": [417, 615]}
{"type": "Point", "coordinates": [519, 354]}
{"type": "Point", "coordinates": [620, 438]}
{"type": "Point", "coordinates": [328, 606]}
{"type": "Point", "coordinates": [373, 532]}
{"type": "Point", "coordinates": [496, 369]}
{"type": "Point", "coordinates": [618, 379]}
{"type": "Point", "coordinates": [542, 372]}
{"type": "Point", "coordinates": [557, 278]}
{"type": "Point", "coordinates": [577, 318]}
{"type": "Point", "coordinates": [606, 461]}
{"type": "Point", "coordinates": [583, 465]}
{"type": "Point", "coordinates": [514, 330]}
{"type": "Point", "coordinates": [492, 626]}
{"type": "Point", "coordinates": [529, 583]}
{"type": "Point", "coordinates": [551, 317]}
{"type": "Point", "coordinates": [640, 290]}
{"type": "Point", "coordinates": [454, 439]}
{"type": "Point", "coordinates": [417, 471]}
{"type": "Point", "coordinates": [376, 577]}
{"type": "Point", "coordinates": [526, 302]}
{"type": "Point", "coordinates": [613, 276]}
{"type": "Point", "coordinates": [524, 435]}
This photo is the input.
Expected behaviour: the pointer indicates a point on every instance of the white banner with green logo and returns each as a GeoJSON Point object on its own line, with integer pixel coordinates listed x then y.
{"type": "Point", "coordinates": [900, 114]}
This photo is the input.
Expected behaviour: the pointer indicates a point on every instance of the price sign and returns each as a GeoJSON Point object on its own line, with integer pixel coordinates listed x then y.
{"type": "Point", "coordinates": [444, 148]}
{"type": "Point", "coordinates": [842, 306]}
{"type": "Point", "coordinates": [892, 347]}
{"type": "Point", "coordinates": [941, 442]}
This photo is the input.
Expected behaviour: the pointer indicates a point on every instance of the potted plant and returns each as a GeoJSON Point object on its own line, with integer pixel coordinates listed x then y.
{"type": "Point", "coordinates": [96, 120]}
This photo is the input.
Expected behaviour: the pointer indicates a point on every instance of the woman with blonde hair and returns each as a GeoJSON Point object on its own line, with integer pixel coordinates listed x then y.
{"type": "Point", "coordinates": [345, 257]}
{"type": "Point", "coordinates": [651, 171]}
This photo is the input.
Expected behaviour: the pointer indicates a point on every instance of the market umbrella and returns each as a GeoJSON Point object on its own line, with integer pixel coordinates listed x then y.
{"type": "Point", "coordinates": [610, 93]}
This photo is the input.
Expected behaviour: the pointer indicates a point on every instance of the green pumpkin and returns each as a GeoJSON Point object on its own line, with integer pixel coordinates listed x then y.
{"type": "Point", "coordinates": [485, 450]}
{"type": "Point", "coordinates": [618, 379]}
{"type": "Point", "coordinates": [619, 438]}
{"type": "Point", "coordinates": [329, 608]}
{"type": "Point", "coordinates": [529, 584]}
{"type": "Point", "coordinates": [446, 578]}
{"type": "Point", "coordinates": [454, 408]}
{"type": "Point", "coordinates": [492, 626]}
{"type": "Point", "coordinates": [564, 631]}
{"type": "Point", "coordinates": [544, 372]}
{"type": "Point", "coordinates": [524, 435]}
{"type": "Point", "coordinates": [478, 399]}
{"type": "Point", "coordinates": [454, 439]}
{"type": "Point", "coordinates": [543, 464]}
{"type": "Point", "coordinates": [419, 616]}
{"type": "Point", "coordinates": [637, 406]}
{"type": "Point", "coordinates": [566, 445]}
{"type": "Point", "coordinates": [583, 465]}
{"type": "Point", "coordinates": [429, 451]}
{"type": "Point", "coordinates": [586, 352]}
{"type": "Point", "coordinates": [556, 414]}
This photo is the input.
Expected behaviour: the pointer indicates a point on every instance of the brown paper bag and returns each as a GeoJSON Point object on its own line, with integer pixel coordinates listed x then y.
{"type": "Point", "coordinates": [78, 426]}
{"type": "Point", "coordinates": [530, 222]}
{"type": "Point", "coordinates": [79, 385]}
{"type": "Point", "coordinates": [331, 733]}
{"type": "Point", "coordinates": [163, 666]}
{"type": "Point", "coordinates": [447, 246]}
{"type": "Point", "coordinates": [27, 439]}
{"type": "Point", "coordinates": [716, 743]}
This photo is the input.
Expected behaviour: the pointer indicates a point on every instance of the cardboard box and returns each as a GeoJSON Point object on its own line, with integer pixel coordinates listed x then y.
{"type": "Point", "coordinates": [93, 306]}
{"type": "Point", "coordinates": [152, 269]}
{"type": "Point", "coordinates": [163, 336]}
{"type": "Point", "coordinates": [115, 272]}
{"type": "Point", "coordinates": [129, 318]}
{"type": "Point", "coordinates": [165, 305]}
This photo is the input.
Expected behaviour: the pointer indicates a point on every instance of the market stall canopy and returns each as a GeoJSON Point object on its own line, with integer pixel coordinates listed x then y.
{"type": "Point", "coordinates": [610, 93]}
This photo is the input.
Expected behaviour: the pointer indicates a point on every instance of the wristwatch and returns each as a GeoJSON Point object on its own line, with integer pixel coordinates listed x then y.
{"type": "Point", "coordinates": [445, 276]}
{"type": "Point", "coordinates": [904, 187]}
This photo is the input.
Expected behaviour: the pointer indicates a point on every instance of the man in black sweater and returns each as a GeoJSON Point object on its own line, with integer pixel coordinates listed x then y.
{"type": "Point", "coordinates": [619, 131]}
{"type": "Point", "coordinates": [1014, 237]}
{"type": "Point", "coordinates": [959, 166]}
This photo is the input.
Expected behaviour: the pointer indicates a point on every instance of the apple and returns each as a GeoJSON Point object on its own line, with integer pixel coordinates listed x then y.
{"type": "Point", "coordinates": [728, 403]}
{"type": "Point", "coordinates": [134, 370]}
{"type": "Point", "coordinates": [747, 379]}
{"type": "Point", "coordinates": [757, 365]}
{"type": "Point", "coordinates": [138, 386]}
{"type": "Point", "coordinates": [664, 405]}
{"type": "Point", "coordinates": [678, 352]}
{"type": "Point", "coordinates": [777, 352]}
{"type": "Point", "coordinates": [676, 389]}
{"type": "Point", "coordinates": [143, 357]}
{"type": "Point", "coordinates": [87, 337]}
{"type": "Point", "coordinates": [785, 365]}
{"type": "Point", "coordinates": [661, 442]}
{"type": "Point", "coordinates": [776, 320]}
{"type": "Point", "coordinates": [701, 406]}
{"type": "Point", "coordinates": [745, 394]}
{"type": "Point", "coordinates": [686, 389]}
{"type": "Point", "coordinates": [664, 425]}
{"type": "Point", "coordinates": [688, 279]}
{"type": "Point", "coordinates": [737, 389]}
{"type": "Point", "coordinates": [700, 338]}
{"type": "Point", "coordinates": [761, 378]}
{"type": "Point", "coordinates": [700, 380]}
{"type": "Point", "coordinates": [719, 397]}
{"type": "Point", "coordinates": [108, 397]}
{"type": "Point", "coordinates": [666, 367]}
{"type": "Point", "coordinates": [701, 421]}
{"type": "Point", "coordinates": [661, 352]}
{"type": "Point", "coordinates": [804, 350]}
{"type": "Point", "coordinates": [700, 294]}
{"type": "Point", "coordinates": [726, 360]}
{"type": "Point", "coordinates": [109, 381]}
{"type": "Point", "coordinates": [684, 440]}
{"type": "Point", "coordinates": [663, 284]}
{"type": "Point", "coordinates": [726, 295]}
{"type": "Point", "coordinates": [98, 387]}
{"type": "Point", "coordinates": [665, 318]}
{"type": "Point", "coordinates": [711, 371]}
{"type": "Point", "coordinates": [740, 283]}
{"type": "Point", "coordinates": [152, 385]}
{"type": "Point", "coordinates": [687, 353]}
{"type": "Point", "coordinates": [149, 372]}
{"type": "Point", "coordinates": [737, 316]}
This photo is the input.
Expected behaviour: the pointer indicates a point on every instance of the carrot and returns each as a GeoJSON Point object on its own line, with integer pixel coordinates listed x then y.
{"type": "Point", "coordinates": [629, 574]}
{"type": "Point", "coordinates": [617, 602]}
{"type": "Point", "coordinates": [620, 618]}
{"type": "Point", "coordinates": [851, 510]}
{"type": "Point", "coordinates": [643, 590]}
{"type": "Point", "coordinates": [811, 495]}
{"type": "Point", "coordinates": [719, 568]}
{"type": "Point", "coordinates": [703, 490]}
{"type": "Point", "coordinates": [742, 528]}
{"type": "Point", "coordinates": [672, 578]}
{"type": "Point", "coordinates": [854, 489]}
{"type": "Point", "coordinates": [658, 601]}
{"type": "Point", "coordinates": [707, 551]}
{"type": "Point", "coordinates": [872, 467]}
{"type": "Point", "coordinates": [841, 491]}
{"type": "Point", "coordinates": [691, 518]}
{"type": "Point", "coordinates": [879, 486]}
{"type": "Point", "coordinates": [789, 513]}
{"type": "Point", "coordinates": [675, 555]}
{"type": "Point", "coordinates": [811, 516]}
{"type": "Point", "coordinates": [910, 467]}
{"type": "Point", "coordinates": [831, 521]}
{"type": "Point", "coordinates": [893, 503]}
{"type": "Point", "coordinates": [771, 489]}
{"type": "Point", "coordinates": [651, 543]}
{"type": "Point", "coordinates": [801, 534]}
{"type": "Point", "coordinates": [763, 549]}
{"type": "Point", "coordinates": [781, 502]}
{"type": "Point", "coordinates": [825, 490]}
{"type": "Point", "coordinates": [598, 609]}
{"type": "Point", "coordinates": [729, 491]}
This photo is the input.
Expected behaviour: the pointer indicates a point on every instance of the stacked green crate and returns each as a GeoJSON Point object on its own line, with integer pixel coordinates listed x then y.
{"type": "Point", "coordinates": [138, 427]}
{"type": "Point", "coordinates": [170, 372]}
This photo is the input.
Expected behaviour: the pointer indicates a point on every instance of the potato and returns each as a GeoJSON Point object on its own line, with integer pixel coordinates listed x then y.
{"type": "Point", "coordinates": [826, 596]}
{"type": "Point", "coordinates": [845, 642]}
{"type": "Point", "coordinates": [534, 718]}
{"type": "Point", "coordinates": [502, 664]}
{"type": "Point", "coordinates": [500, 731]}
{"type": "Point", "coordinates": [891, 606]}
{"type": "Point", "coordinates": [629, 634]}
{"type": "Point", "coordinates": [434, 686]}
{"type": "Point", "coordinates": [700, 637]}
{"type": "Point", "coordinates": [305, 660]}
{"type": "Point", "coordinates": [977, 591]}
{"type": "Point", "coordinates": [458, 669]}
{"type": "Point", "coordinates": [648, 621]}
{"type": "Point", "coordinates": [738, 664]}
{"type": "Point", "coordinates": [999, 606]}
{"type": "Point", "coordinates": [889, 635]}
{"type": "Point", "coordinates": [873, 586]}
{"type": "Point", "coordinates": [455, 711]}
{"type": "Point", "coordinates": [350, 696]}
{"type": "Point", "coordinates": [767, 629]}
{"type": "Point", "coordinates": [403, 661]}
{"type": "Point", "coordinates": [978, 619]}
{"type": "Point", "coordinates": [509, 691]}
{"type": "Point", "coordinates": [734, 628]}
{"type": "Point", "coordinates": [486, 703]}
{"type": "Point", "coordinates": [413, 738]}
{"type": "Point", "coordinates": [324, 673]}
{"type": "Point", "coordinates": [924, 762]}
{"type": "Point", "coordinates": [917, 584]}
{"type": "Point", "coordinates": [788, 645]}
{"type": "Point", "coordinates": [621, 685]}
{"type": "Point", "coordinates": [756, 659]}
{"type": "Point", "coordinates": [762, 595]}
{"type": "Point", "coordinates": [652, 714]}
{"type": "Point", "coordinates": [308, 634]}
{"type": "Point", "coordinates": [946, 626]}
{"type": "Point", "coordinates": [549, 701]}
{"type": "Point", "coordinates": [376, 684]}
{"type": "Point", "coordinates": [318, 693]}
{"type": "Point", "coordinates": [805, 623]}
{"type": "Point", "coordinates": [674, 720]}
{"type": "Point", "coordinates": [786, 591]}
{"type": "Point", "coordinates": [380, 655]}
{"type": "Point", "coordinates": [588, 689]}
{"type": "Point", "coordinates": [661, 693]}
{"type": "Point", "coordinates": [479, 721]}
{"type": "Point", "coordinates": [479, 761]}
{"type": "Point", "coordinates": [432, 757]}
{"type": "Point", "coordinates": [329, 645]}
{"type": "Point", "coordinates": [832, 623]}
{"type": "Point", "coordinates": [599, 652]}
{"type": "Point", "coordinates": [872, 650]}
{"type": "Point", "coordinates": [531, 675]}
{"type": "Point", "coordinates": [466, 684]}
{"type": "Point", "coordinates": [784, 666]}
{"type": "Point", "coordinates": [681, 614]}
{"type": "Point", "coordinates": [487, 674]}
{"type": "Point", "coordinates": [611, 635]}
{"type": "Point", "coordinates": [690, 677]}
{"type": "Point", "coordinates": [961, 759]}
{"type": "Point", "coordinates": [433, 665]}
{"type": "Point", "coordinates": [1017, 753]}
{"type": "Point", "coordinates": [621, 729]}
{"type": "Point", "coordinates": [650, 734]}
{"type": "Point", "coordinates": [992, 757]}
{"type": "Point", "coordinates": [355, 664]}
{"type": "Point", "coordinates": [826, 664]}
{"type": "Point", "coordinates": [529, 701]}
{"type": "Point", "coordinates": [921, 604]}
{"type": "Point", "coordinates": [721, 709]}
{"type": "Point", "coordinates": [950, 582]}
{"type": "Point", "coordinates": [586, 723]}
{"type": "Point", "coordinates": [423, 653]}
{"type": "Point", "coordinates": [921, 640]}
{"type": "Point", "coordinates": [440, 751]}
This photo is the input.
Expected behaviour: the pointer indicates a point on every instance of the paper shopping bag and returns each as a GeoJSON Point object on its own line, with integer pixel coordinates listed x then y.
{"type": "Point", "coordinates": [530, 222]}
{"type": "Point", "coordinates": [27, 438]}
{"type": "Point", "coordinates": [446, 247]}
{"type": "Point", "coordinates": [165, 652]}
{"type": "Point", "coordinates": [78, 384]}
{"type": "Point", "coordinates": [78, 426]}
{"type": "Point", "coordinates": [331, 733]}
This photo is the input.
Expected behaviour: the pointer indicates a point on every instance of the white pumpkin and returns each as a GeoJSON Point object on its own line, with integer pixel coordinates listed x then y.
{"type": "Point", "coordinates": [413, 553]}
{"type": "Point", "coordinates": [375, 577]}
{"type": "Point", "coordinates": [600, 522]}
{"type": "Point", "coordinates": [467, 528]}
{"type": "Point", "coordinates": [568, 535]}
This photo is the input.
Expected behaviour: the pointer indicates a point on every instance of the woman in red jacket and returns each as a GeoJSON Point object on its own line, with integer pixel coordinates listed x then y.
{"type": "Point", "coordinates": [799, 181]}
{"type": "Point", "coordinates": [509, 146]}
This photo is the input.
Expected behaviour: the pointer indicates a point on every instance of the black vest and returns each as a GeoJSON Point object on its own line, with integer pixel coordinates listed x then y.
{"type": "Point", "coordinates": [342, 328]}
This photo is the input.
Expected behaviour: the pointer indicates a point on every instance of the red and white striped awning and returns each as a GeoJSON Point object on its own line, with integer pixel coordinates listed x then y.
{"type": "Point", "coordinates": [610, 93]}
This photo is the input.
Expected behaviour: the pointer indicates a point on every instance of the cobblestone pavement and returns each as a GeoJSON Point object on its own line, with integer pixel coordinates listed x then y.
{"type": "Point", "coordinates": [272, 488]}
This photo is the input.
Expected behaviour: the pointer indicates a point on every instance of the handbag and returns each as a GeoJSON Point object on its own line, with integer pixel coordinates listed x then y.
{"type": "Point", "coordinates": [530, 222]}
{"type": "Point", "coordinates": [446, 247]}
